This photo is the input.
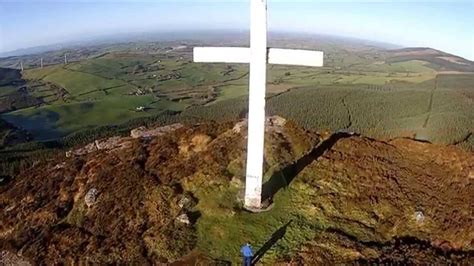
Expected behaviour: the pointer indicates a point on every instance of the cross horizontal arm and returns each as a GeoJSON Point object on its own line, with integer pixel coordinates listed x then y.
{"type": "Point", "coordinates": [221, 54]}
{"type": "Point", "coordinates": [243, 54]}
{"type": "Point", "coordinates": [295, 57]}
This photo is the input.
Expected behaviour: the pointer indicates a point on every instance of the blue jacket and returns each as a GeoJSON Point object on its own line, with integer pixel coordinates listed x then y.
{"type": "Point", "coordinates": [246, 251]}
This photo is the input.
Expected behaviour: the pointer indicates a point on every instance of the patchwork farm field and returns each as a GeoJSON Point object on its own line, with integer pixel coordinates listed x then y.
{"type": "Point", "coordinates": [376, 92]}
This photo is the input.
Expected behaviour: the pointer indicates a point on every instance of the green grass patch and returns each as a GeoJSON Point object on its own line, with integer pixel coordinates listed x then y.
{"type": "Point", "coordinates": [223, 229]}
{"type": "Point", "coordinates": [54, 121]}
{"type": "Point", "coordinates": [231, 92]}
{"type": "Point", "coordinates": [6, 90]}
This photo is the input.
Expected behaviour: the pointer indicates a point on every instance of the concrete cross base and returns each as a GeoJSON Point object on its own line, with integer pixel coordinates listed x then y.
{"type": "Point", "coordinates": [265, 206]}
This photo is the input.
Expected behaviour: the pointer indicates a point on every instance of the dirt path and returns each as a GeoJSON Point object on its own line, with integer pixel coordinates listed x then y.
{"type": "Point", "coordinates": [348, 110]}
{"type": "Point", "coordinates": [468, 135]}
{"type": "Point", "coordinates": [233, 79]}
{"type": "Point", "coordinates": [104, 90]}
{"type": "Point", "coordinates": [430, 105]}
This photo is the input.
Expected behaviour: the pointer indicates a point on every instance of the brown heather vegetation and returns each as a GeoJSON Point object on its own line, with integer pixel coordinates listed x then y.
{"type": "Point", "coordinates": [343, 198]}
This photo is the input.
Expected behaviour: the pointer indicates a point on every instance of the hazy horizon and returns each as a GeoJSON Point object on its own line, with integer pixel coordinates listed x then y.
{"type": "Point", "coordinates": [224, 36]}
{"type": "Point", "coordinates": [442, 26]}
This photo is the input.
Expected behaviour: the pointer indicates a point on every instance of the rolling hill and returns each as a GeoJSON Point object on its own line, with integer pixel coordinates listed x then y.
{"type": "Point", "coordinates": [108, 89]}
{"type": "Point", "coordinates": [14, 91]}
{"type": "Point", "coordinates": [413, 92]}
{"type": "Point", "coordinates": [437, 60]}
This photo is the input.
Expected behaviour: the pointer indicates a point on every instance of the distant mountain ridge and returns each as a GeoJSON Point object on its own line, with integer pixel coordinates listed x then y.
{"type": "Point", "coordinates": [439, 60]}
{"type": "Point", "coordinates": [186, 35]}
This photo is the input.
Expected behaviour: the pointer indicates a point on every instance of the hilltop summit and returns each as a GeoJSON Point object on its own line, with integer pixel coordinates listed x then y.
{"type": "Point", "coordinates": [175, 194]}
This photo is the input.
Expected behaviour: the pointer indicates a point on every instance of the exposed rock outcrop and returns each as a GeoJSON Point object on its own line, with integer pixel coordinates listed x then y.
{"type": "Point", "coordinates": [143, 132]}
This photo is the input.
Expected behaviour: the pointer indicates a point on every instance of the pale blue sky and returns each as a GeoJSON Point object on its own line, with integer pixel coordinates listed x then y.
{"type": "Point", "coordinates": [444, 25]}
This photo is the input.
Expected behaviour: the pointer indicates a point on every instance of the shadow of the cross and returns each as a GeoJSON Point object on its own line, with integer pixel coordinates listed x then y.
{"type": "Point", "coordinates": [283, 177]}
{"type": "Point", "coordinates": [277, 235]}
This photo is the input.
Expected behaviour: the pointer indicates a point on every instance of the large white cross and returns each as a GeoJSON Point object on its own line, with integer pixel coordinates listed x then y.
{"type": "Point", "coordinates": [257, 55]}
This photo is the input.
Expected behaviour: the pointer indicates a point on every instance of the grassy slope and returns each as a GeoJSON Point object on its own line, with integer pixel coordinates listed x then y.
{"type": "Point", "coordinates": [57, 120]}
{"type": "Point", "coordinates": [312, 203]}
{"type": "Point", "coordinates": [220, 231]}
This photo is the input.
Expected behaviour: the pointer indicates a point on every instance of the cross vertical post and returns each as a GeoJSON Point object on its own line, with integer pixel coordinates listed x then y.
{"type": "Point", "coordinates": [258, 55]}
{"type": "Point", "coordinates": [256, 115]}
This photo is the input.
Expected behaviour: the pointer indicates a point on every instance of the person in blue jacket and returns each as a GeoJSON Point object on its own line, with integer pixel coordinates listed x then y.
{"type": "Point", "coordinates": [246, 251]}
